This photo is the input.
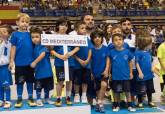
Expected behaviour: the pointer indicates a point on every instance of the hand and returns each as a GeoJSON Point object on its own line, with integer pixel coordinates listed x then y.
{"type": "Point", "coordinates": [141, 76]}
{"type": "Point", "coordinates": [33, 64]}
{"type": "Point", "coordinates": [105, 73]}
{"type": "Point", "coordinates": [64, 57]}
{"type": "Point", "coordinates": [92, 77]}
{"type": "Point", "coordinates": [131, 76]}
{"type": "Point", "coordinates": [11, 66]}
{"type": "Point", "coordinates": [68, 54]}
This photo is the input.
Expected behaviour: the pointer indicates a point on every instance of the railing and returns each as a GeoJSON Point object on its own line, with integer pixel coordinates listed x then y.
{"type": "Point", "coordinates": [105, 12]}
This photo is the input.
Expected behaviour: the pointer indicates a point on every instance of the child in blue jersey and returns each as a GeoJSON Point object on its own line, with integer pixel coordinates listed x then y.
{"type": "Point", "coordinates": [60, 57]}
{"type": "Point", "coordinates": [121, 69]}
{"type": "Point", "coordinates": [143, 61]}
{"type": "Point", "coordinates": [22, 56]}
{"type": "Point", "coordinates": [43, 70]}
{"type": "Point", "coordinates": [99, 68]}
{"type": "Point", "coordinates": [82, 67]}
{"type": "Point", "coordinates": [5, 74]}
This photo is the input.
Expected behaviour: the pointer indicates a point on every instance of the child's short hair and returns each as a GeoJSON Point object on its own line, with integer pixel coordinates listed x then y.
{"type": "Point", "coordinates": [62, 21]}
{"type": "Point", "coordinates": [115, 27]}
{"type": "Point", "coordinates": [8, 27]}
{"type": "Point", "coordinates": [96, 33]}
{"type": "Point", "coordinates": [23, 15]}
{"type": "Point", "coordinates": [77, 24]}
{"type": "Point", "coordinates": [117, 34]}
{"type": "Point", "coordinates": [143, 39]}
{"type": "Point", "coordinates": [35, 30]}
{"type": "Point", "coordinates": [124, 20]}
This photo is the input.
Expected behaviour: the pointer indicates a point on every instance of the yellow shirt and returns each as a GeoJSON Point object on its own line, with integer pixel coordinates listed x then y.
{"type": "Point", "coordinates": [160, 71]}
{"type": "Point", "coordinates": [161, 54]}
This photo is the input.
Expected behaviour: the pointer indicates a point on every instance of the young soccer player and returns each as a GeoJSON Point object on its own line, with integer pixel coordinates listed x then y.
{"type": "Point", "coordinates": [5, 74]}
{"type": "Point", "coordinates": [120, 60]}
{"type": "Point", "coordinates": [143, 61]}
{"type": "Point", "coordinates": [43, 70]}
{"type": "Point", "coordinates": [22, 56]}
{"type": "Point", "coordinates": [99, 68]}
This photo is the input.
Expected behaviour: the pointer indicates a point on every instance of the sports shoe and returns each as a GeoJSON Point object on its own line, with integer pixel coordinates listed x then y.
{"type": "Point", "coordinates": [116, 109]}
{"type": "Point", "coordinates": [151, 104]}
{"type": "Point", "coordinates": [140, 105]}
{"type": "Point", "coordinates": [7, 104]}
{"type": "Point", "coordinates": [68, 101]}
{"type": "Point", "coordinates": [1, 103]}
{"type": "Point", "coordinates": [131, 109]}
{"type": "Point", "coordinates": [97, 108]}
{"type": "Point", "coordinates": [58, 102]}
{"type": "Point", "coordinates": [84, 99]}
{"type": "Point", "coordinates": [39, 102]}
{"type": "Point", "coordinates": [31, 102]}
{"type": "Point", "coordinates": [77, 99]}
{"type": "Point", "coordinates": [101, 109]}
{"type": "Point", "coordinates": [48, 101]}
{"type": "Point", "coordinates": [18, 104]}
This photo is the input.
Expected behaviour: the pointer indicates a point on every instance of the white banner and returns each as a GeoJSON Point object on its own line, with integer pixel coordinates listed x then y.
{"type": "Point", "coordinates": [61, 40]}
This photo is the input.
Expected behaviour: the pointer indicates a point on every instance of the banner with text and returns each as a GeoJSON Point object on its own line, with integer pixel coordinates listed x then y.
{"type": "Point", "coordinates": [61, 40]}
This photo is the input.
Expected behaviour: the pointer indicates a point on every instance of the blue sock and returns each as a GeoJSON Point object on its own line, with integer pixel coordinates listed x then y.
{"type": "Point", "coordinates": [38, 93]}
{"type": "Point", "coordinates": [1, 93]}
{"type": "Point", "coordinates": [46, 93]}
{"type": "Point", "coordinates": [30, 89]}
{"type": "Point", "coordinates": [8, 94]}
{"type": "Point", "coordinates": [19, 90]}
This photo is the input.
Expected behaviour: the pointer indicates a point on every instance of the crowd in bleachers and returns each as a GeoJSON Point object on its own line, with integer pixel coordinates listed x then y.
{"type": "Point", "coordinates": [105, 7]}
{"type": "Point", "coordinates": [93, 4]}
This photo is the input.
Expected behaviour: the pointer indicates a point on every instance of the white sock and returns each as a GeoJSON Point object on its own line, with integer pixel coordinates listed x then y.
{"type": "Point", "coordinates": [84, 94]}
{"type": "Point", "coordinates": [68, 93]}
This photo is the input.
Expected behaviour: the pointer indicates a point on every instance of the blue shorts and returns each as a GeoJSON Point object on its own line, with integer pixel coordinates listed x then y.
{"type": "Point", "coordinates": [81, 76]}
{"type": "Point", "coordinates": [61, 74]}
{"type": "Point", "coordinates": [119, 86]}
{"type": "Point", "coordinates": [146, 86]}
{"type": "Point", "coordinates": [45, 83]}
{"type": "Point", "coordinates": [24, 74]}
{"type": "Point", "coordinates": [5, 76]}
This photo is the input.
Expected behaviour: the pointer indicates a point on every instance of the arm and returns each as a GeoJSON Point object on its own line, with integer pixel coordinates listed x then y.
{"type": "Point", "coordinates": [139, 71]}
{"type": "Point", "coordinates": [131, 66]}
{"type": "Point", "coordinates": [12, 56]}
{"type": "Point", "coordinates": [156, 70]}
{"type": "Point", "coordinates": [38, 59]}
{"type": "Point", "coordinates": [71, 53]}
{"type": "Point", "coordinates": [54, 53]}
{"type": "Point", "coordinates": [106, 71]}
{"type": "Point", "coordinates": [162, 64]}
{"type": "Point", "coordinates": [84, 62]}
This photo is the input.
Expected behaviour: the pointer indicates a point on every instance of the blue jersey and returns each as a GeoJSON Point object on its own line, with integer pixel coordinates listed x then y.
{"type": "Point", "coordinates": [83, 54]}
{"type": "Point", "coordinates": [111, 46]}
{"type": "Point", "coordinates": [24, 48]}
{"type": "Point", "coordinates": [98, 61]}
{"type": "Point", "coordinates": [43, 68]}
{"type": "Point", "coordinates": [59, 62]}
{"type": "Point", "coordinates": [144, 59]}
{"type": "Point", "coordinates": [120, 64]}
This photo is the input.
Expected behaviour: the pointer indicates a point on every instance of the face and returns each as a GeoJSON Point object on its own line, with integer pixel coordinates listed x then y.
{"type": "Point", "coordinates": [118, 42]}
{"type": "Point", "coordinates": [126, 27]}
{"type": "Point", "coordinates": [4, 34]}
{"type": "Point", "coordinates": [117, 30]}
{"type": "Point", "coordinates": [81, 29]}
{"type": "Point", "coordinates": [63, 28]}
{"type": "Point", "coordinates": [97, 41]}
{"type": "Point", "coordinates": [88, 19]}
{"type": "Point", "coordinates": [36, 38]}
{"type": "Point", "coordinates": [109, 28]}
{"type": "Point", "coordinates": [23, 24]}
